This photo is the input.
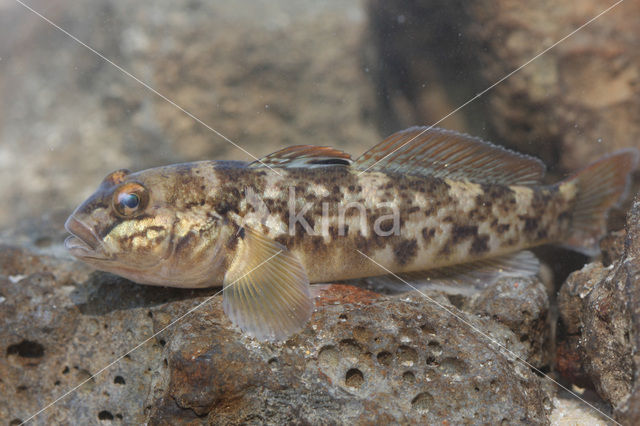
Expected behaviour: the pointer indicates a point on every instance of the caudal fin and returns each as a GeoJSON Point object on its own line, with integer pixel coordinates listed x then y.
{"type": "Point", "coordinates": [600, 186]}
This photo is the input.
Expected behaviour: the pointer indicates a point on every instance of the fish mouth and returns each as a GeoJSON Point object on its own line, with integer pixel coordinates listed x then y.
{"type": "Point", "coordinates": [83, 242]}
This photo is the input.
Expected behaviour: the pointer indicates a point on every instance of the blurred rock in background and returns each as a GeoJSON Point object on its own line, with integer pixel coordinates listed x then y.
{"type": "Point", "coordinates": [265, 75]}
{"type": "Point", "coordinates": [576, 102]}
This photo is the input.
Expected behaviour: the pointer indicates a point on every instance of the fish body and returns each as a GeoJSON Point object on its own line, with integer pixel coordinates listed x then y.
{"type": "Point", "coordinates": [427, 202]}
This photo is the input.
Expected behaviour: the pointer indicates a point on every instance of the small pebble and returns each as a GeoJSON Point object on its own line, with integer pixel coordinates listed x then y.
{"type": "Point", "coordinates": [16, 278]}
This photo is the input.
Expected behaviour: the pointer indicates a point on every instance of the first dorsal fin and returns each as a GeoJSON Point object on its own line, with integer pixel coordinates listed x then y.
{"type": "Point", "coordinates": [447, 154]}
{"type": "Point", "coordinates": [304, 156]}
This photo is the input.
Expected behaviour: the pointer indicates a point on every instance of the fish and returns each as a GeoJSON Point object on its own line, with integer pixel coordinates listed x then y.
{"type": "Point", "coordinates": [425, 203]}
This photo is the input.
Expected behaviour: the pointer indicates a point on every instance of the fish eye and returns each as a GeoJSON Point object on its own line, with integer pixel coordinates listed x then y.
{"type": "Point", "coordinates": [130, 198]}
{"type": "Point", "coordinates": [130, 201]}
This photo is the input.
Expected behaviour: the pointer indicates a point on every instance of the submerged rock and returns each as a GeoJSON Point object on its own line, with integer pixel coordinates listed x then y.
{"type": "Point", "coordinates": [578, 101]}
{"type": "Point", "coordinates": [379, 358]}
{"type": "Point", "coordinates": [600, 320]}
{"type": "Point", "coordinates": [594, 318]}
{"type": "Point", "coordinates": [363, 357]}
{"type": "Point", "coordinates": [523, 306]}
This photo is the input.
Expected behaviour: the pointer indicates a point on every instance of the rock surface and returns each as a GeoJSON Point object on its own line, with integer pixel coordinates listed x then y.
{"type": "Point", "coordinates": [364, 357]}
{"type": "Point", "coordinates": [601, 325]}
{"type": "Point", "coordinates": [523, 306]}
{"type": "Point", "coordinates": [593, 311]}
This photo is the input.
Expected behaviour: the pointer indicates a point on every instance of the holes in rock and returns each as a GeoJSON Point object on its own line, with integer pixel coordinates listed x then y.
{"type": "Point", "coordinates": [162, 342]}
{"type": "Point", "coordinates": [150, 314]}
{"type": "Point", "coordinates": [273, 362]}
{"type": "Point", "coordinates": [408, 377]}
{"type": "Point", "coordinates": [362, 334]}
{"type": "Point", "coordinates": [15, 422]}
{"type": "Point", "coordinates": [384, 358]}
{"type": "Point", "coordinates": [428, 328]}
{"type": "Point", "coordinates": [453, 366]}
{"type": "Point", "coordinates": [119, 380]}
{"type": "Point", "coordinates": [166, 363]}
{"type": "Point", "coordinates": [56, 383]}
{"type": "Point", "coordinates": [26, 349]}
{"type": "Point", "coordinates": [407, 355]}
{"type": "Point", "coordinates": [434, 347]}
{"type": "Point", "coordinates": [354, 378]}
{"type": "Point", "coordinates": [105, 415]}
{"type": "Point", "coordinates": [431, 360]}
{"type": "Point", "coordinates": [343, 316]}
{"type": "Point", "coordinates": [422, 402]}
{"type": "Point", "coordinates": [119, 416]}
{"type": "Point", "coordinates": [329, 356]}
{"type": "Point", "coordinates": [66, 370]}
{"type": "Point", "coordinates": [350, 348]}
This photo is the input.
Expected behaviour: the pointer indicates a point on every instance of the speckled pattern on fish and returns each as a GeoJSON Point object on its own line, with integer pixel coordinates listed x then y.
{"type": "Point", "coordinates": [425, 200]}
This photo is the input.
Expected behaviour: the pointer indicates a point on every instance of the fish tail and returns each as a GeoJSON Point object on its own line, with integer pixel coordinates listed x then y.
{"type": "Point", "coordinates": [599, 187]}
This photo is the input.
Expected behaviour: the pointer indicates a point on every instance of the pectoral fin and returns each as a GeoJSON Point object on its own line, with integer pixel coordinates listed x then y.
{"type": "Point", "coordinates": [266, 289]}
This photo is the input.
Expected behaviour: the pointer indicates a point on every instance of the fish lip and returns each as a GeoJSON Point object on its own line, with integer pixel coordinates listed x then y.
{"type": "Point", "coordinates": [82, 242]}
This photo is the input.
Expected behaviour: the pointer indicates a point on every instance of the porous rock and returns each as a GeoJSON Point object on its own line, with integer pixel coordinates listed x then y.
{"type": "Point", "coordinates": [363, 357]}
{"type": "Point", "coordinates": [600, 325]}
{"type": "Point", "coordinates": [522, 304]}
{"type": "Point", "coordinates": [594, 319]}
{"type": "Point", "coordinates": [629, 410]}
{"type": "Point", "coordinates": [53, 337]}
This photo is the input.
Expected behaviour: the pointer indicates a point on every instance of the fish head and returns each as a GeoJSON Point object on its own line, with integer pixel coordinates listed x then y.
{"type": "Point", "coordinates": [124, 227]}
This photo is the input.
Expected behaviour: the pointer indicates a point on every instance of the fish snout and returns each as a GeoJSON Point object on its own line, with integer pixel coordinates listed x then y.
{"type": "Point", "coordinates": [83, 242]}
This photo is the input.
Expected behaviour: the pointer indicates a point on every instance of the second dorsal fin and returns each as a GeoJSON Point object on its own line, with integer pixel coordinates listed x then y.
{"type": "Point", "coordinates": [448, 154]}
{"type": "Point", "coordinates": [304, 156]}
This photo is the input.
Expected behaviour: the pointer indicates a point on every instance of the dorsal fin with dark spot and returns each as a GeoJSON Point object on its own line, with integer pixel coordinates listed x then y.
{"type": "Point", "coordinates": [448, 154]}
{"type": "Point", "coordinates": [304, 156]}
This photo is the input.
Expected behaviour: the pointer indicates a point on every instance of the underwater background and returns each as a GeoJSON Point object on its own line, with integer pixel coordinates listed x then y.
{"type": "Point", "coordinates": [271, 74]}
